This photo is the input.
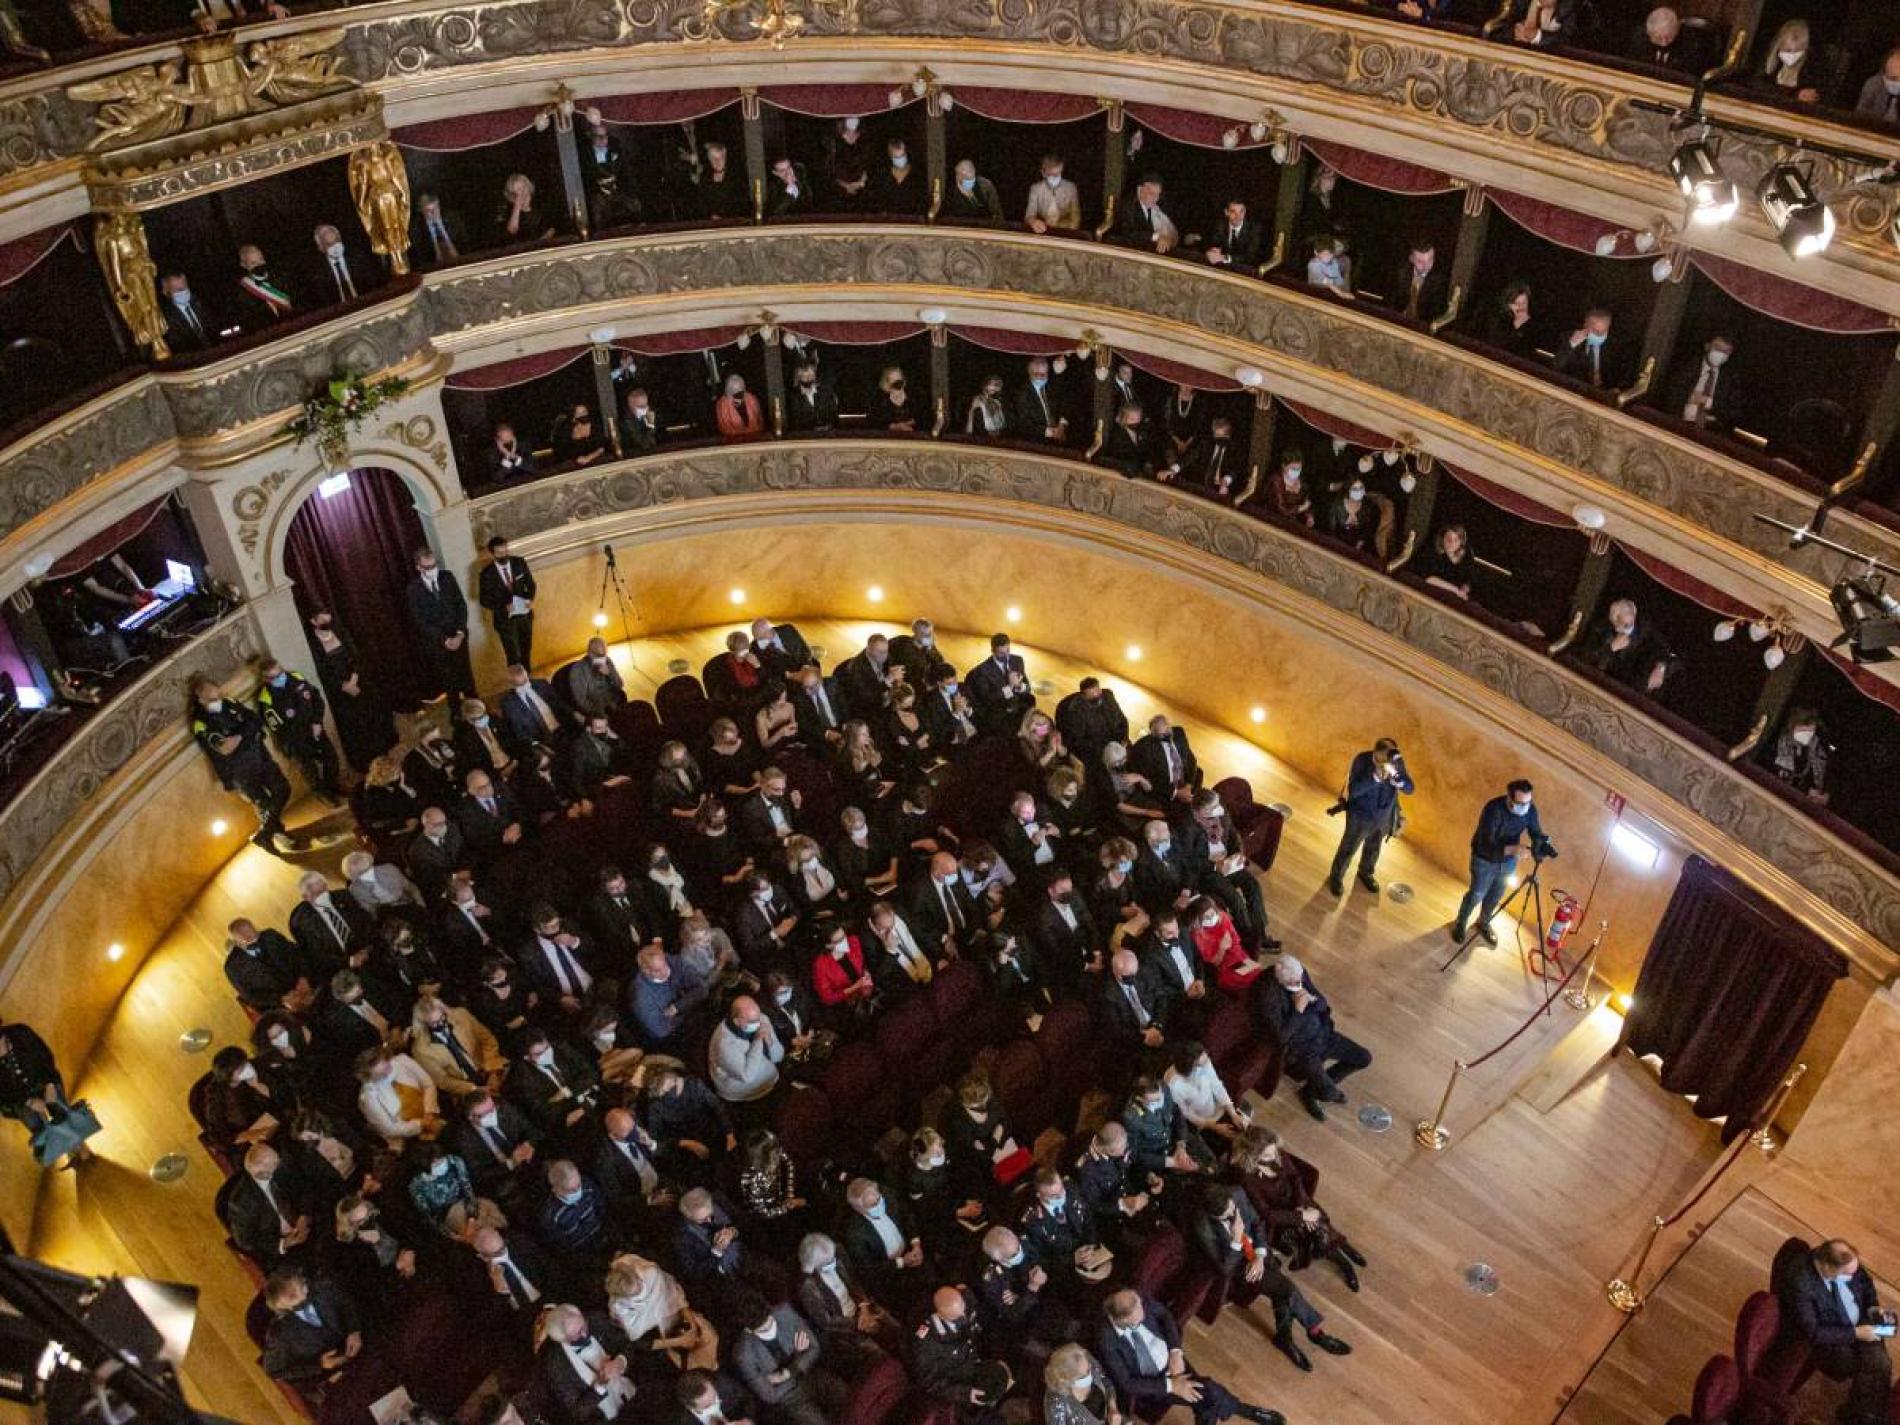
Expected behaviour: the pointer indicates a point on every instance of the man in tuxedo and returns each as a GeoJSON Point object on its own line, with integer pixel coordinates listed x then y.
{"type": "Point", "coordinates": [1300, 1020]}
{"type": "Point", "coordinates": [1420, 289]}
{"type": "Point", "coordinates": [1177, 977]}
{"type": "Point", "coordinates": [506, 590]}
{"type": "Point", "coordinates": [942, 914]}
{"type": "Point", "coordinates": [436, 237]}
{"type": "Point", "coordinates": [268, 1212]}
{"type": "Point", "coordinates": [552, 1082]}
{"type": "Point", "coordinates": [884, 1246]}
{"type": "Point", "coordinates": [518, 1271]}
{"type": "Point", "coordinates": [1706, 392]}
{"type": "Point", "coordinates": [1030, 843]}
{"type": "Point", "coordinates": [556, 963]}
{"type": "Point", "coordinates": [1143, 224]}
{"type": "Point", "coordinates": [1125, 448]}
{"type": "Point", "coordinates": [1164, 757]}
{"type": "Point", "coordinates": [315, 1331]}
{"type": "Point", "coordinates": [439, 615]}
{"type": "Point", "coordinates": [189, 324]}
{"type": "Point", "coordinates": [626, 1172]}
{"type": "Point", "coordinates": [788, 189]}
{"type": "Point", "coordinates": [1139, 1344]}
{"type": "Point", "coordinates": [999, 687]}
{"type": "Point", "coordinates": [822, 707]}
{"type": "Point", "coordinates": [344, 273]}
{"type": "Point", "coordinates": [581, 1380]}
{"type": "Point", "coordinates": [762, 925]}
{"type": "Point", "coordinates": [607, 177]}
{"type": "Point", "coordinates": [766, 816]}
{"type": "Point", "coordinates": [617, 919]}
{"type": "Point", "coordinates": [779, 647]}
{"type": "Point", "coordinates": [498, 1142]}
{"type": "Point", "coordinates": [1063, 934]}
{"type": "Point", "coordinates": [1829, 1303]}
{"type": "Point", "coordinates": [331, 931]}
{"type": "Point", "coordinates": [1212, 462]}
{"type": "Point", "coordinates": [266, 969]}
{"type": "Point", "coordinates": [1035, 415]}
{"type": "Point", "coordinates": [1592, 355]}
{"type": "Point", "coordinates": [861, 678]}
{"type": "Point", "coordinates": [1128, 1014]}
{"type": "Point", "coordinates": [490, 817]}
{"type": "Point", "coordinates": [1235, 241]}
{"type": "Point", "coordinates": [507, 458]}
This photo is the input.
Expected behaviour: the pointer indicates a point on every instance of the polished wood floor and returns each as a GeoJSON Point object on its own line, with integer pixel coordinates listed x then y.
{"type": "Point", "coordinates": [1548, 1188]}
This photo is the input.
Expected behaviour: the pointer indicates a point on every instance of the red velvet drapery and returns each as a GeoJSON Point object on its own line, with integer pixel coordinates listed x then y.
{"type": "Point", "coordinates": [1015, 106]}
{"type": "Point", "coordinates": [1014, 342]}
{"type": "Point", "coordinates": [1177, 373]}
{"type": "Point", "coordinates": [518, 372]}
{"type": "Point", "coordinates": [469, 131]}
{"type": "Point", "coordinates": [1687, 585]}
{"type": "Point", "coordinates": [1509, 500]}
{"type": "Point", "coordinates": [1791, 302]}
{"type": "Point", "coordinates": [1865, 680]}
{"type": "Point", "coordinates": [837, 101]}
{"type": "Point", "coordinates": [1338, 427]}
{"type": "Point", "coordinates": [1377, 171]}
{"type": "Point", "coordinates": [1577, 231]}
{"type": "Point", "coordinates": [1728, 991]}
{"type": "Point", "coordinates": [1201, 130]}
{"type": "Point", "coordinates": [114, 536]}
{"type": "Point", "coordinates": [22, 255]}
{"type": "Point", "coordinates": [855, 333]}
{"type": "Point", "coordinates": [662, 107]}
{"type": "Point", "coordinates": [674, 343]}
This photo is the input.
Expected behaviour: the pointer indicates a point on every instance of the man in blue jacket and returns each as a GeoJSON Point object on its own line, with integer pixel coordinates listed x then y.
{"type": "Point", "coordinates": [1501, 827]}
{"type": "Point", "coordinates": [1828, 1301]}
{"type": "Point", "coordinates": [1371, 804]}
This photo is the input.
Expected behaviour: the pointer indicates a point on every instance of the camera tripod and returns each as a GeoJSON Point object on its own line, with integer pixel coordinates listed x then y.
{"type": "Point", "coordinates": [1528, 895]}
{"type": "Point", "coordinates": [610, 580]}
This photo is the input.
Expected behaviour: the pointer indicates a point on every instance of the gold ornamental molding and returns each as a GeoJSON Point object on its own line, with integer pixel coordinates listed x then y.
{"type": "Point", "coordinates": [1830, 885]}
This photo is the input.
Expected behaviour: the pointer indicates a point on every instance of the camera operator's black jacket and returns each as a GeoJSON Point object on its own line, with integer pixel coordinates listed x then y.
{"type": "Point", "coordinates": [1499, 831]}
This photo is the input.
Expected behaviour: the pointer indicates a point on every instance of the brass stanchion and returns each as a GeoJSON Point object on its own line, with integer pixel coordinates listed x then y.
{"type": "Point", "coordinates": [1434, 1135]}
{"type": "Point", "coordinates": [1622, 1294]}
{"type": "Point", "coordinates": [1578, 995]}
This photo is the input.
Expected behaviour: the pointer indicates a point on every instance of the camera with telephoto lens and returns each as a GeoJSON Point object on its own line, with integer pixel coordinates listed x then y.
{"type": "Point", "coordinates": [1543, 849]}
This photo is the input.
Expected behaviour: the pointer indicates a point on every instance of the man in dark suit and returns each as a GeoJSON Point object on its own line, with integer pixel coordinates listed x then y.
{"type": "Point", "coordinates": [518, 1271]}
{"type": "Point", "coordinates": [439, 615]}
{"type": "Point", "coordinates": [1143, 223]}
{"type": "Point", "coordinates": [556, 963]}
{"type": "Point", "coordinates": [360, 1015]}
{"type": "Point", "coordinates": [531, 711]}
{"type": "Point", "coordinates": [1828, 1301]}
{"type": "Point", "coordinates": [1125, 447]}
{"type": "Point", "coordinates": [947, 1358]}
{"type": "Point", "coordinates": [949, 715]}
{"type": "Point", "coordinates": [766, 816]}
{"type": "Point", "coordinates": [613, 194]}
{"type": "Point", "coordinates": [1060, 1229]}
{"type": "Point", "coordinates": [189, 324]}
{"type": "Point", "coordinates": [437, 852]}
{"type": "Point", "coordinates": [788, 189]}
{"type": "Point", "coordinates": [940, 911]}
{"type": "Point", "coordinates": [315, 1331]}
{"type": "Point", "coordinates": [1233, 1241]}
{"type": "Point", "coordinates": [1139, 1344]}
{"type": "Point", "coordinates": [704, 1396]}
{"type": "Point", "coordinates": [1593, 355]}
{"type": "Point", "coordinates": [1164, 757]}
{"type": "Point", "coordinates": [1705, 392]}
{"type": "Point", "coordinates": [624, 1166]}
{"type": "Point", "coordinates": [331, 931]}
{"type": "Point", "coordinates": [779, 647]}
{"type": "Point", "coordinates": [435, 235]}
{"type": "Point", "coordinates": [268, 1212]}
{"type": "Point", "coordinates": [1089, 719]}
{"type": "Point", "coordinates": [1167, 878]}
{"type": "Point", "coordinates": [265, 969]}
{"type": "Point", "coordinates": [1030, 842]}
{"type": "Point", "coordinates": [1176, 978]}
{"type": "Point", "coordinates": [499, 1144]}
{"type": "Point", "coordinates": [506, 458]}
{"type": "Point", "coordinates": [999, 687]}
{"type": "Point", "coordinates": [1371, 801]}
{"type": "Point", "coordinates": [1063, 934]}
{"type": "Point", "coordinates": [762, 925]}
{"type": "Point", "coordinates": [641, 427]}
{"type": "Point", "coordinates": [1127, 1013]}
{"type": "Point", "coordinates": [581, 1379]}
{"type": "Point", "coordinates": [506, 590]}
{"type": "Point", "coordinates": [616, 918]}
{"type": "Point", "coordinates": [1213, 463]}
{"type": "Point", "coordinates": [489, 816]}
{"type": "Point", "coordinates": [342, 272]}
{"type": "Point", "coordinates": [811, 405]}
{"type": "Point", "coordinates": [822, 707]}
{"type": "Point", "coordinates": [1235, 241]}
{"type": "Point", "coordinates": [1300, 1020]}
{"type": "Point", "coordinates": [884, 1246]}
{"type": "Point", "coordinates": [861, 677]}
{"type": "Point", "coordinates": [1420, 288]}
{"type": "Point", "coordinates": [1035, 414]}
{"type": "Point", "coordinates": [553, 1083]}
{"type": "Point", "coordinates": [263, 298]}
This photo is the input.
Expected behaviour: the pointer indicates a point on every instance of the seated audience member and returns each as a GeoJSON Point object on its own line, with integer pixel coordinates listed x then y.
{"type": "Point", "coordinates": [1420, 288]}
{"type": "Point", "coordinates": [1213, 463]}
{"type": "Point", "coordinates": [262, 298]}
{"type": "Point", "coordinates": [497, 1142]}
{"type": "Point", "coordinates": [987, 416]}
{"type": "Point", "coordinates": [898, 188]}
{"type": "Point", "coordinates": [719, 191]}
{"type": "Point", "coordinates": [1125, 446]}
{"type": "Point", "coordinates": [265, 969]}
{"type": "Point", "coordinates": [397, 1098]}
{"type": "Point", "coordinates": [626, 1168]}
{"type": "Point", "coordinates": [1015, 1295]}
{"type": "Point", "coordinates": [1880, 95]}
{"type": "Point", "coordinates": [1353, 519]}
{"type": "Point", "coordinates": [443, 1195]}
{"type": "Point", "coordinates": [882, 1243]}
{"type": "Point", "coordinates": [811, 405]}
{"type": "Point", "coordinates": [1507, 326]}
{"type": "Point", "coordinates": [1054, 201]}
{"type": "Point", "coordinates": [1232, 1241]}
{"type": "Point", "coordinates": [1235, 241]}
{"type": "Point", "coordinates": [345, 273]}
{"type": "Point", "coordinates": [572, 1219]}
{"type": "Point", "coordinates": [607, 176]}
{"type": "Point", "coordinates": [508, 458]}
{"type": "Point", "coordinates": [1589, 354]}
{"type": "Point", "coordinates": [455, 1048]}
{"type": "Point", "coordinates": [436, 236]}
{"type": "Point", "coordinates": [189, 324]}
{"type": "Point", "coordinates": [1076, 1389]}
{"type": "Point", "coordinates": [650, 1309]}
{"type": "Point", "coordinates": [576, 439]}
{"type": "Point", "coordinates": [518, 220]}
{"type": "Point", "coordinates": [947, 1358]}
{"type": "Point", "coordinates": [268, 1212]}
{"type": "Point", "coordinates": [641, 428]}
{"type": "Point", "coordinates": [855, 1331]}
{"type": "Point", "coordinates": [1326, 268]}
{"type": "Point", "coordinates": [1288, 494]}
{"type": "Point", "coordinates": [744, 1056]}
{"type": "Point", "coordinates": [972, 199]}
{"type": "Point", "coordinates": [1300, 1020]}
{"type": "Point", "coordinates": [737, 411]}
{"type": "Point", "coordinates": [315, 1329]}
{"type": "Point", "coordinates": [1037, 417]}
{"type": "Point", "coordinates": [1449, 565]}
{"type": "Point", "coordinates": [518, 1271]}
{"type": "Point", "coordinates": [1297, 1227]}
{"type": "Point", "coordinates": [1143, 223]}
{"type": "Point", "coordinates": [581, 1380]}
{"type": "Point", "coordinates": [1800, 752]}
{"type": "Point", "coordinates": [1705, 392]}
{"type": "Point", "coordinates": [788, 189]}
{"type": "Point", "coordinates": [591, 685]}
{"type": "Point", "coordinates": [1425, 9]}
{"type": "Point", "coordinates": [1829, 1304]}
{"type": "Point", "coordinates": [1545, 23]}
{"type": "Point", "coordinates": [1628, 650]}
{"type": "Point", "coordinates": [1792, 68]}
{"type": "Point", "coordinates": [1139, 1342]}
{"type": "Point", "coordinates": [891, 408]}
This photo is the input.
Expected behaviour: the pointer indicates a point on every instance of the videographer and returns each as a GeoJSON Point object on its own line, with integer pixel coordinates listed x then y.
{"type": "Point", "coordinates": [1501, 828]}
{"type": "Point", "coordinates": [1371, 804]}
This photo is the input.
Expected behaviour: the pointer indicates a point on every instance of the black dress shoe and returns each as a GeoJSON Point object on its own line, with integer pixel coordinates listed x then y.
{"type": "Point", "coordinates": [1291, 1350]}
{"type": "Point", "coordinates": [1335, 885]}
{"type": "Point", "coordinates": [1370, 882]}
{"type": "Point", "coordinates": [1260, 1415]}
{"type": "Point", "coordinates": [1346, 1272]}
{"type": "Point", "coordinates": [1458, 933]}
{"type": "Point", "coordinates": [1331, 1345]}
{"type": "Point", "coordinates": [1312, 1105]}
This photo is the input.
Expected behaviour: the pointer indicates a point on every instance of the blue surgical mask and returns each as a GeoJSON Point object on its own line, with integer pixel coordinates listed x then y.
{"type": "Point", "coordinates": [1163, 847]}
{"type": "Point", "coordinates": [280, 680]}
{"type": "Point", "coordinates": [1520, 808]}
{"type": "Point", "coordinates": [968, 185]}
{"type": "Point", "coordinates": [1038, 382]}
{"type": "Point", "coordinates": [1597, 338]}
{"type": "Point", "coordinates": [1124, 867]}
{"type": "Point", "coordinates": [748, 1030]}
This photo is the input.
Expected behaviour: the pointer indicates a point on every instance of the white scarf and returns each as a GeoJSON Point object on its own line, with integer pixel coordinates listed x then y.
{"type": "Point", "coordinates": [674, 884]}
{"type": "Point", "coordinates": [916, 964]}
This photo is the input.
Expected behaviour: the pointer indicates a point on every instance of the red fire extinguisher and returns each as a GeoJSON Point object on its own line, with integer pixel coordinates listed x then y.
{"type": "Point", "coordinates": [1569, 912]}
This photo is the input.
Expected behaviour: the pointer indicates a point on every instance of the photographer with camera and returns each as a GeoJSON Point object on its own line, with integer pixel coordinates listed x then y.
{"type": "Point", "coordinates": [1501, 828]}
{"type": "Point", "coordinates": [1371, 804]}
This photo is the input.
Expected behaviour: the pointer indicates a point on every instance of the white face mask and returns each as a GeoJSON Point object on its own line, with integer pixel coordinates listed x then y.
{"type": "Point", "coordinates": [1717, 357]}
{"type": "Point", "coordinates": [1356, 493]}
{"type": "Point", "coordinates": [1791, 56]}
{"type": "Point", "coordinates": [281, 1040]}
{"type": "Point", "coordinates": [1054, 180]}
{"type": "Point", "coordinates": [968, 185]}
{"type": "Point", "coordinates": [216, 705]}
{"type": "Point", "coordinates": [334, 252]}
{"type": "Point", "coordinates": [769, 1331]}
{"type": "Point", "coordinates": [439, 1167]}
{"type": "Point", "coordinates": [900, 161]}
{"type": "Point", "coordinates": [1084, 1383]}
{"type": "Point", "coordinates": [1208, 922]}
{"type": "Point", "coordinates": [1520, 808]}
{"type": "Point", "coordinates": [1803, 736]}
{"type": "Point", "coordinates": [245, 1075]}
{"type": "Point", "coordinates": [782, 997]}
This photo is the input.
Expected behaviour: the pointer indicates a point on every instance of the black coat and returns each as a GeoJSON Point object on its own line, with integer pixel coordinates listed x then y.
{"type": "Point", "coordinates": [439, 616]}
{"type": "Point", "coordinates": [263, 978]}
{"type": "Point", "coordinates": [494, 592]}
{"type": "Point", "coordinates": [1148, 758]}
{"type": "Point", "coordinates": [294, 1349]}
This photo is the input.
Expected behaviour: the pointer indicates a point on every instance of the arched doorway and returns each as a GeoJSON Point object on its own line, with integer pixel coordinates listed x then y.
{"type": "Point", "coordinates": [351, 550]}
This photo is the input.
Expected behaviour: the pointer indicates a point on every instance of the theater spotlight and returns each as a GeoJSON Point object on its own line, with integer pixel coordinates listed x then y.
{"type": "Point", "coordinates": [1709, 192]}
{"type": "Point", "coordinates": [1801, 220]}
{"type": "Point", "coordinates": [1869, 615]}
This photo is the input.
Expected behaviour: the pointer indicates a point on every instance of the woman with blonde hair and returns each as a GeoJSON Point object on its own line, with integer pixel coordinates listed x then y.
{"type": "Point", "coordinates": [1076, 1390]}
{"type": "Point", "coordinates": [1275, 1183]}
{"type": "Point", "coordinates": [647, 1301]}
{"type": "Point", "coordinates": [1041, 744]}
{"type": "Point", "coordinates": [861, 763]}
{"type": "Point", "coordinates": [1791, 69]}
{"type": "Point", "coordinates": [891, 408]}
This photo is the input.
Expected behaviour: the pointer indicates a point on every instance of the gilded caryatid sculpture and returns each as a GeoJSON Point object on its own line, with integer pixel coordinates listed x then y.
{"type": "Point", "coordinates": [379, 185]}
{"type": "Point", "coordinates": [132, 279]}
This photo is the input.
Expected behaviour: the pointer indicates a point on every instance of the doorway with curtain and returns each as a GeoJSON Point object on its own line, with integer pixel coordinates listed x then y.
{"type": "Point", "coordinates": [351, 550]}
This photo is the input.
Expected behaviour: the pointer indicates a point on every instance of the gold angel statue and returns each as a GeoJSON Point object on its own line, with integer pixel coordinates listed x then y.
{"type": "Point", "coordinates": [131, 278]}
{"type": "Point", "coordinates": [136, 104]}
{"type": "Point", "coordinates": [379, 186]}
{"type": "Point", "coordinates": [296, 67]}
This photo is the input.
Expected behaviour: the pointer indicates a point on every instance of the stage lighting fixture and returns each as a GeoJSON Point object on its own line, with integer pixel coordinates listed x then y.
{"type": "Point", "coordinates": [1869, 615]}
{"type": "Point", "coordinates": [1709, 192]}
{"type": "Point", "coordinates": [1801, 220]}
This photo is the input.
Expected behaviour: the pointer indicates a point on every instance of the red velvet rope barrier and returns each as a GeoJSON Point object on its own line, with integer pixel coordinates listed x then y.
{"type": "Point", "coordinates": [1728, 1159]}
{"type": "Point", "coordinates": [1536, 1014]}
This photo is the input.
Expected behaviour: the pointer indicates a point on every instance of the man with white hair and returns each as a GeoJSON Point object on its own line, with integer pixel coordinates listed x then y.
{"type": "Point", "coordinates": [583, 1381]}
{"type": "Point", "coordinates": [779, 648]}
{"type": "Point", "coordinates": [378, 886]}
{"type": "Point", "coordinates": [1661, 42]}
{"type": "Point", "coordinates": [883, 1245]}
{"type": "Point", "coordinates": [1013, 1288]}
{"type": "Point", "coordinates": [1317, 1055]}
{"type": "Point", "coordinates": [331, 931]}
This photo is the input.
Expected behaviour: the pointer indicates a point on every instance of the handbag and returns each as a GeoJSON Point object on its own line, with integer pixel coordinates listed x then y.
{"type": "Point", "coordinates": [60, 1136]}
{"type": "Point", "coordinates": [1011, 1166]}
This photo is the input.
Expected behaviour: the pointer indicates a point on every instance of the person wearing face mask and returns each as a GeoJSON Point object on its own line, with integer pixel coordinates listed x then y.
{"type": "Point", "coordinates": [373, 1262]}
{"type": "Point", "coordinates": [1276, 1183]}
{"type": "Point", "coordinates": [233, 738]}
{"type": "Point", "coordinates": [839, 978]}
{"type": "Point", "coordinates": [607, 176]}
{"type": "Point", "coordinates": [898, 188]}
{"type": "Point", "coordinates": [456, 1048]}
{"type": "Point", "coordinates": [884, 1246]}
{"type": "Point", "coordinates": [554, 1083]}
{"type": "Point", "coordinates": [1800, 753]}
{"type": "Point", "coordinates": [1317, 1056]}
{"type": "Point", "coordinates": [262, 299]}
{"type": "Point", "coordinates": [1593, 355]}
{"type": "Point", "coordinates": [364, 722]}
{"type": "Point", "coordinates": [1326, 269]}
{"type": "Point", "coordinates": [1126, 1199]}
{"type": "Point", "coordinates": [499, 1144]}
{"type": "Point", "coordinates": [1054, 201]}
{"type": "Point", "coordinates": [1076, 1390]}
{"type": "Point", "coordinates": [572, 1221]}
{"type": "Point", "coordinates": [579, 1377]}
{"type": "Point", "coordinates": [1880, 95]}
{"type": "Point", "coordinates": [987, 417]}
{"type": "Point", "coordinates": [1792, 68]}
{"type": "Point", "coordinates": [439, 615]}
{"type": "Point", "coordinates": [436, 235]}
{"type": "Point", "coordinates": [811, 405]}
{"type": "Point", "coordinates": [266, 969]}
{"type": "Point", "coordinates": [1705, 392]}
{"type": "Point", "coordinates": [444, 1196]}
{"type": "Point", "coordinates": [1288, 495]}
{"type": "Point", "coordinates": [268, 1210]}
{"type": "Point", "coordinates": [776, 1355]}
{"type": "Point", "coordinates": [1061, 1231]}
{"type": "Point", "coordinates": [743, 1059]}
{"type": "Point", "coordinates": [1194, 1085]}
{"type": "Point", "coordinates": [1125, 447]}
{"type": "Point", "coordinates": [1160, 1140]}
{"type": "Point", "coordinates": [1013, 1290]}
{"type": "Point", "coordinates": [1356, 517]}
{"type": "Point", "coordinates": [972, 200]}
{"type": "Point", "coordinates": [641, 428]}
{"type": "Point", "coordinates": [941, 912]}
{"type": "Point", "coordinates": [1037, 415]}
{"type": "Point", "coordinates": [344, 274]}
{"type": "Point", "coordinates": [592, 683]}
{"type": "Point", "coordinates": [1629, 650]}
{"type": "Point", "coordinates": [737, 412]}
{"type": "Point", "coordinates": [1064, 935]}
{"type": "Point", "coordinates": [481, 744]}
{"type": "Point", "coordinates": [763, 923]}
{"type": "Point", "coordinates": [189, 324]}
{"type": "Point", "coordinates": [854, 1331]}
{"type": "Point", "coordinates": [508, 459]}
{"type": "Point", "coordinates": [1502, 825]}
{"type": "Point", "coordinates": [397, 1098]}
{"type": "Point", "coordinates": [1233, 1243]}
{"type": "Point", "coordinates": [1370, 800]}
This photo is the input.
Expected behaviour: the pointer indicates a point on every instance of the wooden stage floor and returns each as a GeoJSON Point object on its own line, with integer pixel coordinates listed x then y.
{"type": "Point", "coordinates": [1550, 1195]}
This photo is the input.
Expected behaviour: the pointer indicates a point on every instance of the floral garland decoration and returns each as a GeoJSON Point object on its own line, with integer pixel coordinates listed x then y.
{"type": "Point", "coordinates": [330, 416]}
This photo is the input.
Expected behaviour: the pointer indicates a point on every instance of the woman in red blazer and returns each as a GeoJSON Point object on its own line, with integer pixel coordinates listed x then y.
{"type": "Point", "coordinates": [1218, 943]}
{"type": "Point", "coordinates": [837, 975]}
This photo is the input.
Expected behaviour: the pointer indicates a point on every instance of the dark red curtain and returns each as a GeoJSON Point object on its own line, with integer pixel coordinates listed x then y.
{"type": "Point", "coordinates": [518, 372]}
{"type": "Point", "coordinates": [114, 536]}
{"type": "Point", "coordinates": [1791, 302]}
{"type": "Point", "coordinates": [1577, 231]}
{"type": "Point", "coordinates": [838, 101]}
{"type": "Point", "coordinates": [1177, 373]}
{"type": "Point", "coordinates": [1015, 342]}
{"type": "Point", "coordinates": [353, 553]}
{"type": "Point", "coordinates": [1338, 427]}
{"type": "Point", "coordinates": [1377, 171]}
{"type": "Point", "coordinates": [1200, 130]}
{"type": "Point", "coordinates": [1687, 585]}
{"type": "Point", "coordinates": [1523, 506]}
{"type": "Point", "coordinates": [663, 107]}
{"type": "Point", "coordinates": [1728, 992]}
{"type": "Point", "coordinates": [22, 255]}
{"type": "Point", "coordinates": [673, 343]}
{"type": "Point", "coordinates": [855, 333]}
{"type": "Point", "coordinates": [1016, 106]}
{"type": "Point", "coordinates": [469, 131]}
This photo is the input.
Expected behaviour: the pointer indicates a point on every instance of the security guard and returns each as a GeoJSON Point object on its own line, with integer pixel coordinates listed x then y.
{"type": "Point", "coordinates": [233, 737]}
{"type": "Point", "coordinates": [293, 711]}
